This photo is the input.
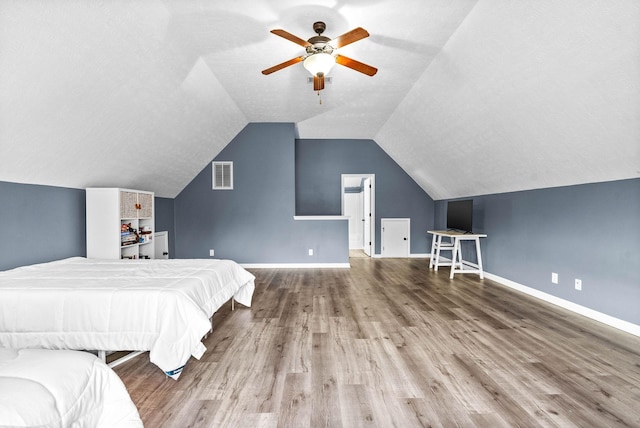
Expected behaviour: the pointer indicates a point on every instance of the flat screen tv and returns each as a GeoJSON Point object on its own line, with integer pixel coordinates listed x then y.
{"type": "Point", "coordinates": [460, 215]}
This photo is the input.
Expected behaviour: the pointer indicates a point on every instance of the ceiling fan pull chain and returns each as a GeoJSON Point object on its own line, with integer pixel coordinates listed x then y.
{"type": "Point", "coordinates": [319, 97]}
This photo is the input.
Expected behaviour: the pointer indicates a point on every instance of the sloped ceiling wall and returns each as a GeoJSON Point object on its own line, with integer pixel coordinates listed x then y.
{"type": "Point", "coordinates": [525, 95]}
{"type": "Point", "coordinates": [106, 94]}
{"type": "Point", "coordinates": [471, 97]}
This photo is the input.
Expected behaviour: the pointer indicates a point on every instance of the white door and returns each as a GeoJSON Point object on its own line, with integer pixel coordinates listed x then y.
{"type": "Point", "coordinates": [395, 237]}
{"type": "Point", "coordinates": [353, 210]}
{"type": "Point", "coordinates": [366, 198]}
{"type": "Point", "coordinates": [161, 245]}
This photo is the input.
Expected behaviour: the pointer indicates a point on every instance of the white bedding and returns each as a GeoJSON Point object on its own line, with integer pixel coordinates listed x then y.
{"type": "Point", "coordinates": [161, 306]}
{"type": "Point", "coordinates": [47, 388]}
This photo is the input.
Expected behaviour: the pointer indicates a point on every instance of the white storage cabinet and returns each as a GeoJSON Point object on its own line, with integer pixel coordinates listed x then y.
{"type": "Point", "coordinates": [108, 209]}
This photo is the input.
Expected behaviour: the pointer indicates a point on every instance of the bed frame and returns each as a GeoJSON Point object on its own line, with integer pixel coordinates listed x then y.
{"type": "Point", "coordinates": [132, 354]}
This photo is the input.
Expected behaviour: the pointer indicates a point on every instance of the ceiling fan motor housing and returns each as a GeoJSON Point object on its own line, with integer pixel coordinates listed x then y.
{"type": "Point", "coordinates": [319, 43]}
{"type": "Point", "coordinates": [319, 47]}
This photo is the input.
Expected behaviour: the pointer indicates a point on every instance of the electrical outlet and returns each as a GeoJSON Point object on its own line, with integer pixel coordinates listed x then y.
{"type": "Point", "coordinates": [554, 277]}
{"type": "Point", "coordinates": [311, 251]}
{"type": "Point", "coordinates": [578, 284]}
{"type": "Point", "coordinates": [211, 253]}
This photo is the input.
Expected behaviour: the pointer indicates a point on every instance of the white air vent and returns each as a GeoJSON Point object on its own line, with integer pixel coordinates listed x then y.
{"type": "Point", "coordinates": [222, 175]}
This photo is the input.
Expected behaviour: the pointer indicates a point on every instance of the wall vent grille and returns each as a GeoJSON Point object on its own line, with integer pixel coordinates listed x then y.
{"type": "Point", "coordinates": [222, 175]}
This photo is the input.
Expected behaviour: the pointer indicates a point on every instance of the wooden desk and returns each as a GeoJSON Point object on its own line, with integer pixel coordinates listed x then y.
{"type": "Point", "coordinates": [453, 244]}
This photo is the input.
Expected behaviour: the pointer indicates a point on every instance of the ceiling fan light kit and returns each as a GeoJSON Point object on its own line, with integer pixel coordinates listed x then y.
{"type": "Point", "coordinates": [319, 64]}
{"type": "Point", "coordinates": [321, 53]}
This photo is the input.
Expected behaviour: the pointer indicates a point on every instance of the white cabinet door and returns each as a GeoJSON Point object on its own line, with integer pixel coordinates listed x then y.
{"type": "Point", "coordinates": [161, 245]}
{"type": "Point", "coordinates": [395, 237]}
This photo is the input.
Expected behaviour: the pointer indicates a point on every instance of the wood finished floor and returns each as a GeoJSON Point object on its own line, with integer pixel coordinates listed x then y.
{"type": "Point", "coordinates": [389, 343]}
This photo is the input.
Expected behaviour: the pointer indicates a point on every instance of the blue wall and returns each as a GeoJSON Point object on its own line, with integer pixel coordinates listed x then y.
{"type": "Point", "coordinates": [590, 232]}
{"type": "Point", "coordinates": [165, 220]}
{"type": "Point", "coordinates": [320, 164]}
{"type": "Point", "coordinates": [44, 223]}
{"type": "Point", "coordinates": [40, 224]}
{"type": "Point", "coordinates": [253, 223]}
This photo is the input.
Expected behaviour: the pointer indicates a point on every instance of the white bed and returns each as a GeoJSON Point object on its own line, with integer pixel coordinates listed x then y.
{"type": "Point", "coordinates": [160, 306]}
{"type": "Point", "coordinates": [47, 388]}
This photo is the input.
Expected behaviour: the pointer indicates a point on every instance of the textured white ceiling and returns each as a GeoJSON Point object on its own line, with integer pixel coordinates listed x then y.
{"type": "Point", "coordinates": [471, 97]}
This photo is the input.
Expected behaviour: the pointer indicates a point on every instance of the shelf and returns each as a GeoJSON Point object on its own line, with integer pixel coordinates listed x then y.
{"type": "Point", "coordinates": [110, 213]}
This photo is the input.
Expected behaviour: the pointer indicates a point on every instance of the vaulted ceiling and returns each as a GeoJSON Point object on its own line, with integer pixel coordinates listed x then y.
{"type": "Point", "coordinates": [471, 96]}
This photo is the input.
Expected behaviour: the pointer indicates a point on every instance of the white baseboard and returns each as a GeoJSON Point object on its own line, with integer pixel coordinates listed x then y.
{"type": "Point", "coordinates": [294, 265]}
{"type": "Point", "coordinates": [411, 256]}
{"type": "Point", "coordinates": [573, 307]}
{"type": "Point", "coordinates": [420, 256]}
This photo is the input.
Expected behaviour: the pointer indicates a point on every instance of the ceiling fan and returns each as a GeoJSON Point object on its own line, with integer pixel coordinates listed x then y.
{"type": "Point", "coordinates": [321, 53]}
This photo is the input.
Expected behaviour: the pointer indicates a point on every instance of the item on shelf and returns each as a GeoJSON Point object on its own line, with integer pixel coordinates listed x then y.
{"type": "Point", "coordinates": [146, 234]}
{"type": "Point", "coordinates": [128, 235]}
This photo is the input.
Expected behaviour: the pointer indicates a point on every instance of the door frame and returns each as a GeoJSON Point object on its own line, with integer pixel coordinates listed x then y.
{"type": "Point", "coordinates": [372, 202]}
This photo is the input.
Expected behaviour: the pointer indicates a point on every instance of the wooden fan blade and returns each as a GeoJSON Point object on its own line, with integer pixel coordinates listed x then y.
{"type": "Point", "coordinates": [356, 65]}
{"type": "Point", "coordinates": [318, 83]}
{"type": "Point", "coordinates": [291, 38]}
{"type": "Point", "coordinates": [282, 65]}
{"type": "Point", "coordinates": [349, 37]}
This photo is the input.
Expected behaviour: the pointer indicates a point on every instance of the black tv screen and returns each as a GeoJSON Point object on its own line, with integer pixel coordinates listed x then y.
{"type": "Point", "coordinates": [460, 215]}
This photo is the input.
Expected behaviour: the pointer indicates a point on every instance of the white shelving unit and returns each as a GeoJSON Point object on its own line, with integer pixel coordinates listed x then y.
{"type": "Point", "coordinates": [120, 223]}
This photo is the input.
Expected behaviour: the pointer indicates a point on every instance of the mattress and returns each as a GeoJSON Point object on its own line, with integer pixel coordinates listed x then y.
{"type": "Point", "coordinates": [160, 306]}
{"type": "Point", "coordinates": [47, 388]}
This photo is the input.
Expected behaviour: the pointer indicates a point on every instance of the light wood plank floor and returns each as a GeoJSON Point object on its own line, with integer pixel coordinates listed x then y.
{"type": "Point", "coordinates": [389, 343]}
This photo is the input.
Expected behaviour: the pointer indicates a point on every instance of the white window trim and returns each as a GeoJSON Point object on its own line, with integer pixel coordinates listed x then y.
{"type": "Point", "coordinates": [214, 183]}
